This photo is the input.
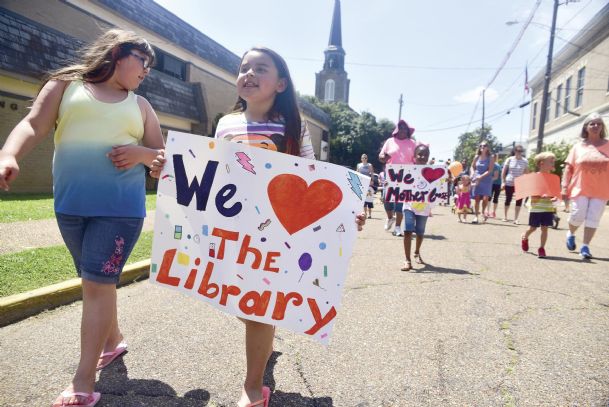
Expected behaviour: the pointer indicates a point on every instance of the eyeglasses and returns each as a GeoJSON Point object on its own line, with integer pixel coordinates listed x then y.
{"type": "Point", "coordinates": [594, 124]}
{"type": "Point", "coordinates": [144, 61]}
{"type": "Point", "coordinates": [519, 151]}
{"type": "Point", "coordinates": [483, 145]}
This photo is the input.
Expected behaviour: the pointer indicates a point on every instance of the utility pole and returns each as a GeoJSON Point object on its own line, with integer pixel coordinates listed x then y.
{"type": "Point", "coordinates": [482, 130]}
{"type": "Point", "coordinates": [546, 84]}
{"type": "Point", "coordinates": [401, 102]}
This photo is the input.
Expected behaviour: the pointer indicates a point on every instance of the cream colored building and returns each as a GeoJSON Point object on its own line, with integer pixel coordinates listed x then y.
{"type": "Point", "coordinates": [191, 85]}
{"type": "Point", "coordinates": [579, 84]}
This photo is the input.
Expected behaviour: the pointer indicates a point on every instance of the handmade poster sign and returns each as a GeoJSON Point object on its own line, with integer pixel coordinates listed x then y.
{"type": "Point", "coordinates": [537, 184]}
{"type": "Point", "coordinates": [417, 183]}
{"type": "Point", "coordinates": [258, 234]}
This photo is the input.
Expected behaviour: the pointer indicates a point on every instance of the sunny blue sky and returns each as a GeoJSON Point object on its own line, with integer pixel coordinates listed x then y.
{"type": "Point", "coordinates": [439, 54]}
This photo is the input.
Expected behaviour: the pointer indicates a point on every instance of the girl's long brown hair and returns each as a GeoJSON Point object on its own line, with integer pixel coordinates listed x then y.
{"type": "Point", "coordinates": [98, 59]}
{"type": "Point", "coordinates": [284, 107]}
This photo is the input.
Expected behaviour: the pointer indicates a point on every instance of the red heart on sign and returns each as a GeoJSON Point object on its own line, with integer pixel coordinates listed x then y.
{"type": "Point", "coordinates": [297, 205]}
{"type": "Point", "coordinates": [432, 174]}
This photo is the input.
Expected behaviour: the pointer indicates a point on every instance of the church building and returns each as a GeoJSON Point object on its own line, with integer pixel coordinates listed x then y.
{"type": "Point", "coordinates": [331, 83]}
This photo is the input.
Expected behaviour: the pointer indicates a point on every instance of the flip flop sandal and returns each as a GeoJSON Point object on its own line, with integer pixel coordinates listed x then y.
{"type": "Point", "coordinates": [264, 401]}
{"type": "Point", "coordinates": [407, 266]}
{"type": "Point", "coordinates": [418, 259]}
{"type": "Point", "coordinates": [111, 356]}
{"type": "Point", "coordinates": [87, 399]}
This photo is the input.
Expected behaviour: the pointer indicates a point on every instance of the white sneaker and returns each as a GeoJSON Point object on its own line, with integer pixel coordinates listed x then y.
{"type": "Point", "coordinates": [397, 231]}
{"type": "Point", "coordinates": [389, 223]}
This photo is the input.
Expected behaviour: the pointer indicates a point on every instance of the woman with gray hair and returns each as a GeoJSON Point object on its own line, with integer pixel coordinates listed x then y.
{"type": "Point", "coordinates": [585, 181]}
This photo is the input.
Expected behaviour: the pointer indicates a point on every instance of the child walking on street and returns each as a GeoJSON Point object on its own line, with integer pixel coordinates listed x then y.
{"type": "Point", "coordinates": [369, 201]}
{"type": "Point", "coordinates": [266, 106]}
{"type": "Point", "coordinates": [104, 135]}
{"type": "Point", "coordinates": [464, 201]}
{"type": "Point", "coordinates": [542, 210]}
{"type": "Point", "coordinates": [415, 216]}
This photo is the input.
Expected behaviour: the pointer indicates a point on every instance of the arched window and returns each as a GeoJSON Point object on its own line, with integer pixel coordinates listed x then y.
{"type": "Point", "coordinates": [329, 93]}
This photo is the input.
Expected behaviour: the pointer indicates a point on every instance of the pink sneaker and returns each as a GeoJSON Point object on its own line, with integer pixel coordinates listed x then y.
{"type": "Point", "coordinates": [541, 252]}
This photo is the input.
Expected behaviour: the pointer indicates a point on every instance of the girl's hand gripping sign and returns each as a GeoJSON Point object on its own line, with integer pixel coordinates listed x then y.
{"type": "Point", "coordinates": [258, 234]}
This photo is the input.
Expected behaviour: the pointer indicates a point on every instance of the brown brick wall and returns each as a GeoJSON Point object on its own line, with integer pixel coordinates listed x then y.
{"type": "Point", "coordinates": [35, 168]}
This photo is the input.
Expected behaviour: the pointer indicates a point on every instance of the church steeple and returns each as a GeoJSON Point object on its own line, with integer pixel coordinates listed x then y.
{"type": "Point", "coordinates": [331, 84]}
{"type": "Point", "coordinates": [336, 37]}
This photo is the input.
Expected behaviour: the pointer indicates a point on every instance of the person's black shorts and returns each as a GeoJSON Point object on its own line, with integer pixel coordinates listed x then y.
{"type": "Point", "coordinates": [368, 205]}
{"type": "Point", "coordinates": [537, 219]}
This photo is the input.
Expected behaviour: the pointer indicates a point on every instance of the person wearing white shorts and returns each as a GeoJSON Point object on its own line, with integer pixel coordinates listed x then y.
{"type": "Point", "coordinates": [586, 182]}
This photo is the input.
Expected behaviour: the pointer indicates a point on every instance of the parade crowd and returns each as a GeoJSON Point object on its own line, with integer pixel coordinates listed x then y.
{"type": "Point", "coordinates": [105, 136]}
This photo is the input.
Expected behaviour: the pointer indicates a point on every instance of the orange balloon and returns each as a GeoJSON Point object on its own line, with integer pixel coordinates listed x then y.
{"type": "Point", "coordinates": [455, 168]}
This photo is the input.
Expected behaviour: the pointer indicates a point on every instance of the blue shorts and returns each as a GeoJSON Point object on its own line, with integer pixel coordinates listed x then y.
{"type": "Point", "coordinates": [537, 219]}
{"type": "Point", "coordinates": [392, 206]}
{"type": "Point", "coordinates": [414, 223]}
{"type": "Point", "coordinates": [100, 245]}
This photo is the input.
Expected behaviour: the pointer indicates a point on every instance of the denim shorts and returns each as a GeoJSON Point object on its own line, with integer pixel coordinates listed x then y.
{"type": "Point", "coordinates": [414, 223]}
{"type": "Point", "coordinates": [392, 206]}
{"type": "Point", "coordinates": [100, 245]}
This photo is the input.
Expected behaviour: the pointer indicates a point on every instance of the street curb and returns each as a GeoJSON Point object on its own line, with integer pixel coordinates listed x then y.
{"type": "Point", "coordinates": [20, 306]}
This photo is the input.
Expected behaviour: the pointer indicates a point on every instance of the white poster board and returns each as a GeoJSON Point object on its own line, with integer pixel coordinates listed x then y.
{"type": "Point", "coordinates": [258, 234]}
{"type": "Point", "coordinates": [416, 184]}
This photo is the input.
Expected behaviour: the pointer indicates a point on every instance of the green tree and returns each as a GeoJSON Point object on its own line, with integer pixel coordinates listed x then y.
{"type": "Point", "coordinates": [469, 142]}
{"type": "Point", "coordinates": [560, 150]}
{"type": "Point", "coordinates": [353, 134]}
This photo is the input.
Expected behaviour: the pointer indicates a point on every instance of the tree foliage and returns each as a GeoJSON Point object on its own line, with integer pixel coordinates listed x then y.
{"type": "Point", "coordinates": [469, 142]}
{"type": "Point", "coordinates": [560, 150]}
{"type": "Point", "coordinates": [353, 134]}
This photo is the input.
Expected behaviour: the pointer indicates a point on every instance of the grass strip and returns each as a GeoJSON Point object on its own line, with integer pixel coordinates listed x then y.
{"type": "Point", "coordinates": [25, 207]}
{"type": "Point", "coordinates": [35, 268]}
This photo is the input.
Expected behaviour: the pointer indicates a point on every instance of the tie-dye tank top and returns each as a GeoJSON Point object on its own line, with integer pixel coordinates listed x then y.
{"type": "Point", "coordinates": [85, 182]}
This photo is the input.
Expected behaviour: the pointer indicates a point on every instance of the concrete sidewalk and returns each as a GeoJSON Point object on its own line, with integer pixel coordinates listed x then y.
{"type": "Point", "coordinates": [483, 324]}
{"type": "Point", "coordinates": [18, 236]}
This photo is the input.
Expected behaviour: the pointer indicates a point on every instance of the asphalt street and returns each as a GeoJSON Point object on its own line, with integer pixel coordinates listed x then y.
{"type": "Point", "coordinates": [482, 324]}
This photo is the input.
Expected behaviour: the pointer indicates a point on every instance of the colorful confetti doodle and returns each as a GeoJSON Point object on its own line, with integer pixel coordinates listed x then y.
{"type": "Point", "coordinates": [245, 161]}
{"type": "Point", "coordinates": [177, 233]}
{"type": "Point", "coordinates": [316, 228]}
{"type": "Point", "coordinates": [264, 224]}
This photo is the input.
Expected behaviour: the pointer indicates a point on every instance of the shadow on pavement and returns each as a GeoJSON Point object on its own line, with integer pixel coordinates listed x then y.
{"type": "Point", "coordinates": [118, 390]}
{"type": "Point", "coordinates": [279, 398]}
{"type": "Point", "coordinates": [428, 268]}
{"type": "Point", "coordinates": [434, 237]}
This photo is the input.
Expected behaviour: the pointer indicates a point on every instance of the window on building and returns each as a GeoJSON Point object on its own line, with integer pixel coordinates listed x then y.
{"type": "Point", "coordinates": [329, 92]}
{"type": "Point", "coordinates": [548, 107]}
{"type": "Point", "coordinates": [566, 104]}
{"type": "Point", "coordinates": [579, 96]}
{"type": "Point", "coordinates": [170, 65]}
{"type": "Point", "coordinates": [557, 108]}
{"type": "Point", "coordinates": [534, 116]}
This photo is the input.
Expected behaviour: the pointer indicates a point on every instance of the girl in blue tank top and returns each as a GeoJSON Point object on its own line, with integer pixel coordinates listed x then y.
{"type": "Point", "coordinates": [104, 137]}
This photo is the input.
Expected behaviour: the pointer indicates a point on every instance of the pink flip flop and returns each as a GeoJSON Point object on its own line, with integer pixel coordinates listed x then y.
{"type": "Point", "coordinates": [266, 398]}
{"type": "Point", "coordinates": [111, 356]}
{"type": "Point", "coordinates": [89, 399]}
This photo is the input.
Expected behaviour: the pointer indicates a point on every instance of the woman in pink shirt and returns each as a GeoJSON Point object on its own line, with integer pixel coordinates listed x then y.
{"type": "Point", "coordinates": [398, 149]}
{"type": "Point", "coordinates": [586, 181]}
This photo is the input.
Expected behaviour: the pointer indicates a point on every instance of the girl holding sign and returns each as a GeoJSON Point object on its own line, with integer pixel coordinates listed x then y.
{"type": "Point", "coordinates": [265, 115]}
{"type": "Point", "coordinates": [415, 216]}
{"type": "Point", "coordinates": [104, 135]}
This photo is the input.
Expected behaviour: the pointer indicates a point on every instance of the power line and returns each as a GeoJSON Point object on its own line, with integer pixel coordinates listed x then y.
{"type": "Point", "coordinates": [425, 67]}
